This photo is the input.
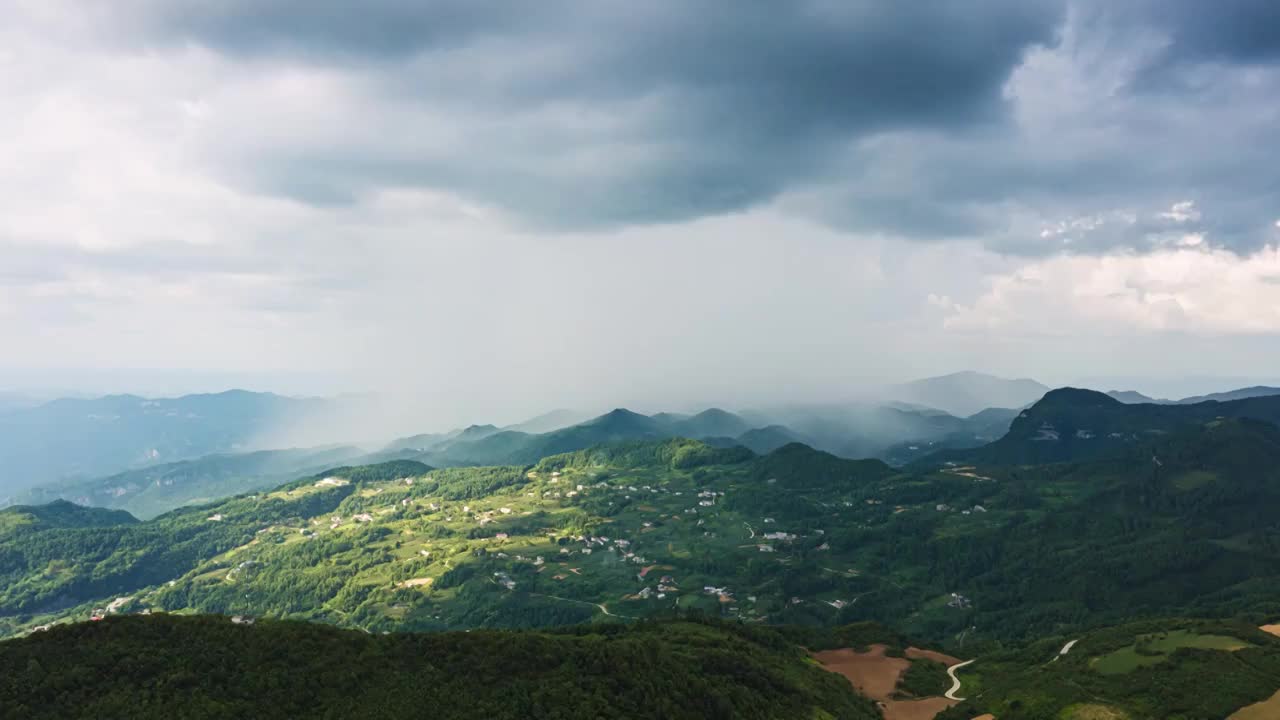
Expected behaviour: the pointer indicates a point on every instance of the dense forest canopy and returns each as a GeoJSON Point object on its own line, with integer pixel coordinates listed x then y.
{"type": "Point", "coordinates": [210, 667]}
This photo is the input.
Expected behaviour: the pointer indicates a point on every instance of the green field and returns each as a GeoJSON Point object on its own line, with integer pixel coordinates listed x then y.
{"type": "Point", "coordinates": [1155, 648]}
{"type": "Point", "coordinates": [1193, 479]}
{"type": "Point", "coordinates": [1090, 711]}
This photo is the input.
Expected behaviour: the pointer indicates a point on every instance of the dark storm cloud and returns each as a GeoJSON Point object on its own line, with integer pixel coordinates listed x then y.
{"type": "Point", "coordinates": [373, 29]}
{"type": "Point", "coordinates": [1230, 31]}
{"type": "Point", "coordinates": [892, 118]}
{"type": "Point", "coordinates": [1182, 108]}
{"type": "Point", "coordinates": [733, 101]}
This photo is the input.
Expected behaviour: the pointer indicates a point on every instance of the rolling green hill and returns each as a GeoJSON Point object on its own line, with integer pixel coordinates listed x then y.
{"type": "Point", "coordinates": [1178, 525]}
{"type": "Point", "coordinates": [209, 667]}
{"type": "Point", "coordinates": [59, 515]}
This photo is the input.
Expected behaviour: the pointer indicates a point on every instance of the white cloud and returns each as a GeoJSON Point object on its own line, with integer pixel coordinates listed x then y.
{"type": "Point", "coordinates": [1188, 289]}
{"type": "Point", "coordinates": [1182, 212]}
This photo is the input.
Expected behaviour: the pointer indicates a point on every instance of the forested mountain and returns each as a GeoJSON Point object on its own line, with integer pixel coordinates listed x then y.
{"type": "Point", "coordinates": [1174, 524]}
{"type": "Point", "coordinates": [1000, 562]}
{"type": "Point", "coordinates": [1072, 424]}
{"type": "Point", "coordinates": [58, 515]}
{"type": "Point", "coordinates": [209, 667]}
{"type": "Point", "coordinates": [899, 435]}
{"type": "Point", "coordinates": [85, 438]}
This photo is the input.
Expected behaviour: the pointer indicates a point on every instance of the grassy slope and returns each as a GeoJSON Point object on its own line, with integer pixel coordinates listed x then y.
{"type": "Point", "coordinates": [1186, 683]}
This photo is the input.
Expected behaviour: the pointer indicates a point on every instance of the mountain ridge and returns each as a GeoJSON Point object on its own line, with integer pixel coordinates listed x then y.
{"type": "Point", "coordinates": [1071, 424]}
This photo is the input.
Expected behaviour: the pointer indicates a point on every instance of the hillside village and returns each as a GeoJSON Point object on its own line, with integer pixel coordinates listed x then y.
{"type": "Point", "coordinates": [569, 541]}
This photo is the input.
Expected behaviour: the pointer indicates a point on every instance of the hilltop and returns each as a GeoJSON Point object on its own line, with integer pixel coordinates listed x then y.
{"type": "Point", "coordinates": [59, 515]}
{"type": "Point", "coordinates": [147, 667]}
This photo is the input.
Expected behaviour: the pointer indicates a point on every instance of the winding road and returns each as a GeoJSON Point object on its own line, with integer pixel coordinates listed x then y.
{"type": "Point", "coordinates": [955, 681]}
{"type": "Point", "coordinates": [1065, 649]}
{"type": "Point", "coordinates": [599, 606]}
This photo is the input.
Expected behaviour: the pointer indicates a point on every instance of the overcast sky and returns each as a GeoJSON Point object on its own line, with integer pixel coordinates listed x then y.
{"type": "Point", "coordinates": [537, 204]}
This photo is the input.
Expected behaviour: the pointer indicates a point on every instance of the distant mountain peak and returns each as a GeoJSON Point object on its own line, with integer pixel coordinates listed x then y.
{"type": "Point", "coordinates": [621, 420]}
{"type": "Point", "coordinates": [967, 392]}
{"type": "Point", "coordinates": [1075, 397]}
{"type": "Point", "coordinates": [549, 421]}
{"type": "Point", "coordinates": [1240, 394]}
{"type": "Point", "coordinates": [1134, 397]}
{"type": "Point", "coordinates": [477, 431]}
{"type": "Point", "coordinates": [798, 448]}
{"type": "Point", "coordinates": [1072, 424]}
{"type": "Point", "coordinates": [976, 375]}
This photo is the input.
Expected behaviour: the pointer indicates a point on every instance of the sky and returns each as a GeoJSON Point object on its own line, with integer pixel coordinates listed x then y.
{"type": "Point", "coordinates": [487, 205]}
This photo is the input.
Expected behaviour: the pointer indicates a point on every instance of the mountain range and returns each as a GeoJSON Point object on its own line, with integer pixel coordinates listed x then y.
{"type": "Point", "coordinates": [1132, 397]}
{"type": "Point", "coordinates": [792, 537]}
{"type": "Point", "coordinates": [153, 455]}
{"type": "Point", "coordinates": [84, 438]}
{"type": "Point", "coordinates": [1099, 558]}
{"type": "Point", "coordinates": [848, 431]}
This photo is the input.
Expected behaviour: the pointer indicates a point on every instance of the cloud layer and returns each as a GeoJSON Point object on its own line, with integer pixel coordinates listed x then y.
{"type": "Point", "coordinates": [669, 196]}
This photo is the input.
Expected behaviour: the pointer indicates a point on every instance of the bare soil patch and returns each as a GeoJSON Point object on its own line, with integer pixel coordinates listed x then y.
{"type": "Point", "coordinates": [925, 709]}
{"type": "Point", "coordinates": [1273, 629]}
{"type": "Point", "coordinates": [873, 673]}
{"type": "Point", "coordinates": [876, 675]}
